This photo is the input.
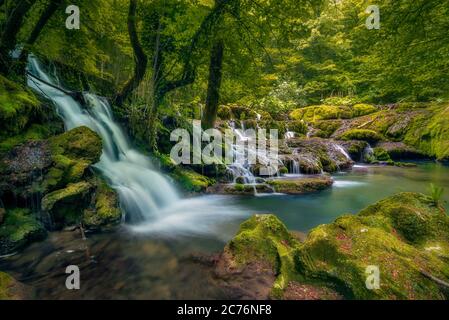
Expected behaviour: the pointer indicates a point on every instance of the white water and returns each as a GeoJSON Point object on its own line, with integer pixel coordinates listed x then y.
{"type": "Point", "coordinates": [342, 150]}
{"type": "Point", "coordinates": [145, 195]}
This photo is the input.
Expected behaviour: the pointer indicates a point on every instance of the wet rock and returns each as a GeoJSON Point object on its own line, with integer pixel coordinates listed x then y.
{"type": "Point", "coordinates": [317, 155]}
{"type": "Point", "coordinates": [66, 205]}
{"type": "Point", "coordinates": [19, 228]}
{"type": "Point", "coordinates": [406, 236]}
{"type": "Point", "coordinates": [354, 148]}
{"type": "Point", "coordinates": [301, 185]}
{"type": "Point", "coordinates": [400, 151]}
{"type": "Point", "coordinates": [106, 212]}
{"type": "Point", "coordinates": [11, 289]}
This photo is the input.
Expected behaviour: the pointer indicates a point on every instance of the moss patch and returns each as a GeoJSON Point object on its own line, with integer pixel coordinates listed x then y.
{"type": "Point", "coordinates": [19, 228]}
{"type": "Point", "coordinates": [301, 186]}
{"type": "Point", "coordinates": [190, 180]}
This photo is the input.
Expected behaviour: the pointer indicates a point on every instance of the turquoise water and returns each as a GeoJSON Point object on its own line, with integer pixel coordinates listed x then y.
{"type": "Point", "coordinates": [156, 265]}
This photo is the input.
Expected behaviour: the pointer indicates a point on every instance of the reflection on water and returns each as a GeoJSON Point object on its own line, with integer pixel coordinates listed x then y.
{"type": "Point", "coordinates": [149, 261]}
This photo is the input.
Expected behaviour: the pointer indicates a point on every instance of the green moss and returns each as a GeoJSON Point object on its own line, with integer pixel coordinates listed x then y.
{"type": "Point", "coordinates": [381, 154]}
{"type": "Point", "coordinates": [326, 128]}
{"type": "Point", "coordinates": [19, 229]}
{"type": "Point", "coordinates": [17, 106]}
{"type": "Point", "coordinates": [328, 112]}
{"type": "Point", "coordinates": [72, 153]}
{"type": "Point", "coordinates": [283, 170]}
{"type": "Point", "coordinates": [430, 133]}
{"type": "Point", "coordinates": [404, 236]}
{"type": "Point", "coordinates": [300, 186]}
{"type": "Point", "coordinates": [107, 212]}
{"type": "Point", "coordinates": [66, 205]}
{"type": "Point", "coordinates": [298, 126]}
{"type": "Point", "coordinates": [190, 180]}
{"type": "Point", "coordinates": [361, 134]}
{"type": "Point", "coordinates": [265, 238]}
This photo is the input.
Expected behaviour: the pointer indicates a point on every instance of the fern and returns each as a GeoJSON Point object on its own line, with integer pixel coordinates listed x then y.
{"type": "Point", "coordinates": [436, 193]}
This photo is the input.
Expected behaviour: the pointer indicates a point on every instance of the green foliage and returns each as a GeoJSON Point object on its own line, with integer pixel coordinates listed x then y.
{"type": "Point", "coordinates": [436, 193]}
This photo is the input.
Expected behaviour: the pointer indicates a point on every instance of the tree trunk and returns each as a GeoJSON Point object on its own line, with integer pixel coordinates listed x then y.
{"type": "Point", "coordinates": [11, 28]}
{"type": "Point", "coordinates": [48, 12]}
{"type": "Point", "coordinates": [213, 89]}
{"type": "Point", "coordinates": [140, 57]}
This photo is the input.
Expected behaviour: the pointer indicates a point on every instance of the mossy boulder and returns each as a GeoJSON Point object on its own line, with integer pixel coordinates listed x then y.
{"type": "Point", "coordinates": [301, 185]}
{"type": "Point", "coordinates": [66, 205]}
{"type": "Point", "coordinates": [72, 153]}
{"type": "Point", "coordinates": [19, 228]}
{"type": "Point", "coordinates": [394, 235]}
{"type": "Point", "coordinates": [316, 155]}
{"type": "Point", "coordinates": [328, 112]}
{"type": "Point", "coordinates": [405, 236]}
{"type": "Point", "coordinates": [361, 134]}
{"type": "Point", "coordinates": [191, 181]}
{"type": "Point", "coordinates": [104, 212]}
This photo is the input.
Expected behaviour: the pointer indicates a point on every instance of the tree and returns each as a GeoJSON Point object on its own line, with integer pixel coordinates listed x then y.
{"type": "Point", "coordinates": [8, 38]}
{"type": "Point", "coordinates": [140, 58]}
{"type": "Point", "coordinates": [214, 84]}
{"type": "Point", "coordinates": [46, 15]}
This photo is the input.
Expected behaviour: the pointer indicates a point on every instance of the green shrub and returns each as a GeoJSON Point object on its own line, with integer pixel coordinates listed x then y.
{"type": "Point", "coordinates": [436, 193]}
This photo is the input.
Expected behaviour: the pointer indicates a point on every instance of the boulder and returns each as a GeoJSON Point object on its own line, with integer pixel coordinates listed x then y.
{"type": "Point", "coordinates": [19, 228]}
{"type": "Point", "coordinates": [405, 236]}
{"type": "Point", "coordinates": [301, 185]}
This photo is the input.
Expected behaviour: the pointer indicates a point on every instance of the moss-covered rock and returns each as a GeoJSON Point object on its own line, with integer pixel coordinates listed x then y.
{"type": "Point", "coordinates": [392, 235]}
{"type": "Point", "coordinates": [19, 228]}
{"type": "Point", "coordinates": [302, 185]}
{"type": "Point", "coordinates": [317, 155]}
{"type": "Point", "coordinates": [191, 181]}
{"type": "Point", "coordinates": [361, 134]}
{"type": "Point", "coordinates": [105, 211]}
{"type": "Point", "coordinates": [406, 236]}
{"type": "Point", "coordinates": [66, 205]}
{"type": "Point", "coordinates": [328, 112]}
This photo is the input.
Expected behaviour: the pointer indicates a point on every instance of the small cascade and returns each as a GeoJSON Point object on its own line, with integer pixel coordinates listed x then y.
{"type": "Point", "coordinates": [368, 154]}
{"type": "Point", "coordinates": [143, 191]}
{"type": "Point", "coordinates": [295, 167]}
{"type": "Point", "coordinates": [342, 150]}
{"type": "Point", "coordinates": [289, 135]}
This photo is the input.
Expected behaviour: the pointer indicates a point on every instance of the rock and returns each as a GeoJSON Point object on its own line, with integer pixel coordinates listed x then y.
{"type": "Point", "coordinates": [327, 112]}
{"type": "Point", "coordinates": [107, 211]}
{"type": "Point", "coordinates": [301, 185]}
{"type": "Point", "coordinates": [406, 236]}
{"type": "Point", "coordinates": [264, 244]}
{"type": "Point", "coordinates": [19, 228]}
{"type": "Point", "coordinates": [369, 136]}
{"type": "Point", "coordinates": [391, 235]}
{"type": "Point", "coordinates": [239, 189]}
{"type": "Point", "coordinates": [191, 181]}
{"type": "Point", "coordinates": [66, 205]}
{"type": "Point", "coordinates": [11, 289]}
{"type": "Point", "coordinates": [317, 155]}
{"type": "Point", "coordinates": [400, 151]}
{"type": "Point", "coordinates": [354, 148]}
{"type": "Point", "coordinates": [22, 171]}
{"type": "Point", "coordinates": [72, 153]}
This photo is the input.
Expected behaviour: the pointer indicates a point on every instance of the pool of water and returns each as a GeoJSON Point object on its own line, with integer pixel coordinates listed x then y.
{"type": "Point", "coordinates": [154, 261]}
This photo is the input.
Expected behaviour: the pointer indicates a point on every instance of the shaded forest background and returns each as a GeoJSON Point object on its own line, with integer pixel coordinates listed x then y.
{"type": "Point", "coordinates": [169, 58]}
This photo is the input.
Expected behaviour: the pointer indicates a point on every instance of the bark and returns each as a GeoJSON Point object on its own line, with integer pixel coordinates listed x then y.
{"type": "Point", "coordinates": [46, 15]}
{"type": "Point", "coordinates": [213, 88]}
{"type": "Point", "coordinates": [140, 57]}
{"type": "Point", "coordinates": [8, 40]}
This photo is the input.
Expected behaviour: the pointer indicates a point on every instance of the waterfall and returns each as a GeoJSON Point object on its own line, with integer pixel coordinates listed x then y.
{"type": "Point", "coordinates": [143, 191]}
{"type": "Point", "coordinates": [289, 135]}
{"type": "Point", "coordinates": [368, 154]}
{"type": "Point", "coordinates": [342, 150]}
{"type": "Point", "coordinates": [295, 167]}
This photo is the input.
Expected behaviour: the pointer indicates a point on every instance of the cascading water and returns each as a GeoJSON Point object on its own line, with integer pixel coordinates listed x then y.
{"type": "Point", "coordinates": [143, 191]}
{"type": "Point", "coordinates": [145, 195]}
{"type": "Point", "coordinates": [342, 151]}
